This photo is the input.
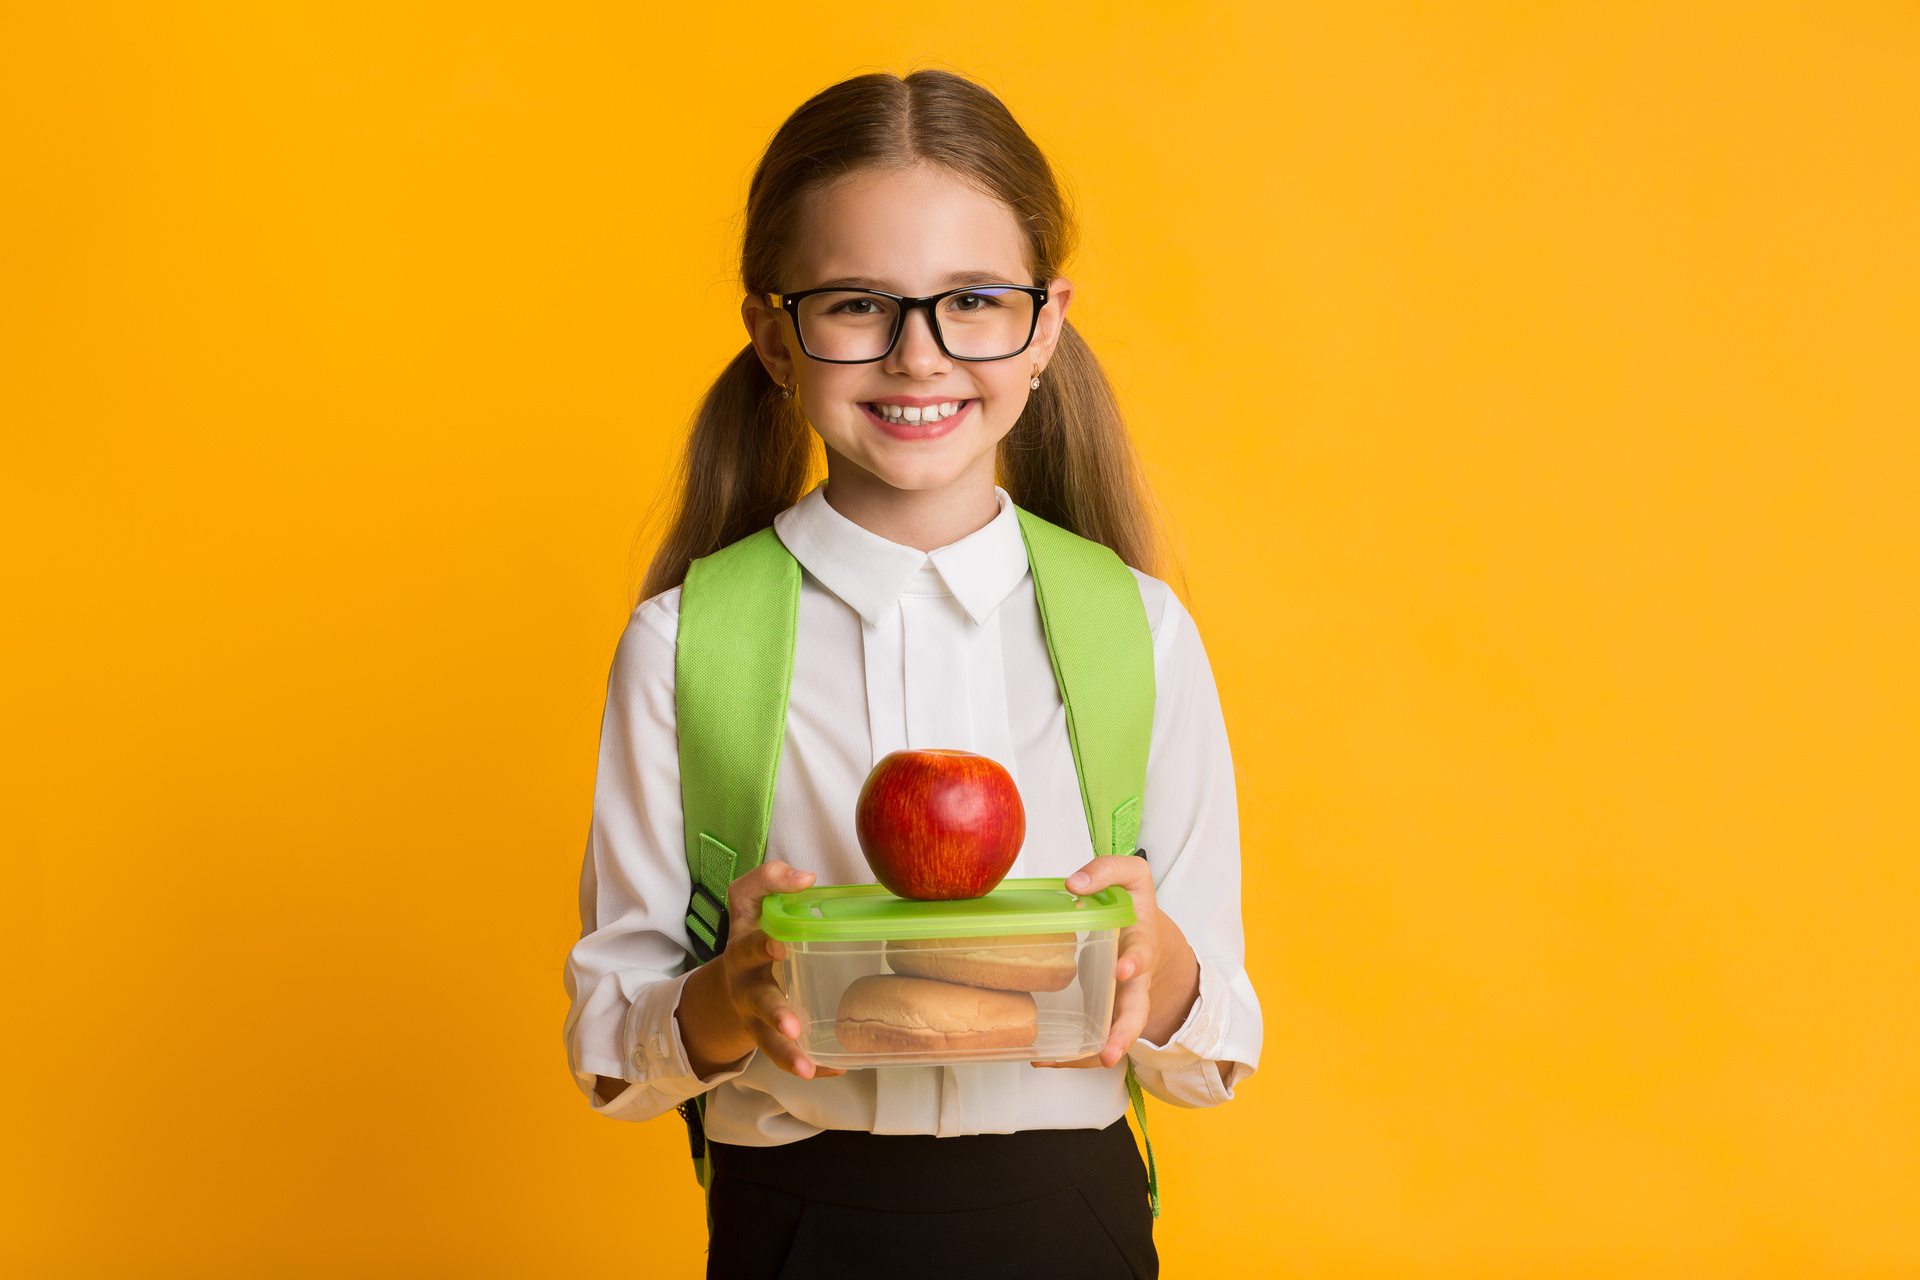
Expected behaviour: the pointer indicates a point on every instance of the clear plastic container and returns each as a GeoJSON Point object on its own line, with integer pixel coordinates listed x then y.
{"type": "Point", "coordinates": [1023, 974]}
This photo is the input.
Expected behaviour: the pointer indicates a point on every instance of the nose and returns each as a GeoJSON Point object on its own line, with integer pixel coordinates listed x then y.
{"type": "Point", "coordinates": [917, 354]}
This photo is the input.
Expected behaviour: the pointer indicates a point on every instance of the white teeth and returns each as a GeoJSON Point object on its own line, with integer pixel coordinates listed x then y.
{"type": "Point", "coordinates": [919, 413]}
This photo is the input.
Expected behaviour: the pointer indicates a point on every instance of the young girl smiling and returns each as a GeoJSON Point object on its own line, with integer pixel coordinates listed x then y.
{"type": "Point", "coordinates": [905, 302]}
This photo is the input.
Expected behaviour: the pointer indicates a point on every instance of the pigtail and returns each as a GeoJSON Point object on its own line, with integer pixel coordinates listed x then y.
{"type": "Point", "coordinates": [745, 462]}
{"type": "Point", "coordinates": [1070, 460]}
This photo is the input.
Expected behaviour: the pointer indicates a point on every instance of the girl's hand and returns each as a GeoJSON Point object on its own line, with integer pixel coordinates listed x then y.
{"type": "Point", "coordinates": [732, 1004]}
{"type": "Point", "coordinates": [1157, 975]}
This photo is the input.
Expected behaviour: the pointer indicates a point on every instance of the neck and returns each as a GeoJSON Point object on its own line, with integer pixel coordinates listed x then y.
{"type": "Point", "coordinates": [924, 519]}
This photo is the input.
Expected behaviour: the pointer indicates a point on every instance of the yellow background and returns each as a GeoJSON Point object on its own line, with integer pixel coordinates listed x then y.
{"type": "Point", "coordinates": [1534, 388]}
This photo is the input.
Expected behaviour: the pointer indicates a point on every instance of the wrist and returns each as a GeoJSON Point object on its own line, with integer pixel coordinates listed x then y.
{"type": "Point", "coordinates": [710, 1027]}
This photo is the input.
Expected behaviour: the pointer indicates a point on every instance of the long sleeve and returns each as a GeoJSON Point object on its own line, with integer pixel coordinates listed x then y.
{"type": "Point", "coordinates": [625, 974]}
{"type": "Point", "coordinates": [1191, 833]}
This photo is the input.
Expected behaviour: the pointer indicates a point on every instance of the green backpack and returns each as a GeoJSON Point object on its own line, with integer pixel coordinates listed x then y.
{"type": "Point", "coordinates": [733, 672]}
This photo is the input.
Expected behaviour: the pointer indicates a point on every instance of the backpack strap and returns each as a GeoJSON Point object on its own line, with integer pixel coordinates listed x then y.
{"type": "Point", "coordinates": [733, 674]}
{"type": "Point", "coordinates": [694, 1112]}
{"type": "Point", "coordinates": [1139, 1097]}
{"type": "Point", "coordinates": [1102, 651]}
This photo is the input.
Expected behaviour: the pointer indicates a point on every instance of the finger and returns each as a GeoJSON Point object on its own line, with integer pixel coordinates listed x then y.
{"type": "Point", "coordinates": [1129, 872]}
{"type": "Point", "coordinates": [776, 1029]}
{"type": "Point", "coordinates": [747, 950]}
{"type": "Point", "coordinates": [786, 1055]}
{"type": "Point", "coordinates": [1131, 1004]}
{"type": "Point", "coordinates": [744, 894]}
{"type": "Point", "coordinates": [767, 1003]}
{"type": "Point", "coordinates": [1076, 1064]}
{"type": "Point", "coordinates": [1139, 954]}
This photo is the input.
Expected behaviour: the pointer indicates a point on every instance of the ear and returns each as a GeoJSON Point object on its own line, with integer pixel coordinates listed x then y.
{"type": "Point", "coordinates": [768, 329]}
{"type": "Point", "coordinates": [1052, 317]}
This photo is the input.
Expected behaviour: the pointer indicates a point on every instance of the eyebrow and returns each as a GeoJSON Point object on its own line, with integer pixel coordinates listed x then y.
{"type": "Point", "coordinates": [956, 280]}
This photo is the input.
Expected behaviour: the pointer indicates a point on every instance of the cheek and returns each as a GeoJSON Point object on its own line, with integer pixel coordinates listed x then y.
{"type": "Point", "coordinates": [1004, 385]}
{"type": "Point", "coordinates": [830, 388]}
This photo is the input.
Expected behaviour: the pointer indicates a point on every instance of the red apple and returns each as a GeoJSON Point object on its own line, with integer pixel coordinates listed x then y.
{"type": "Point", "coordinates": [939, 824]}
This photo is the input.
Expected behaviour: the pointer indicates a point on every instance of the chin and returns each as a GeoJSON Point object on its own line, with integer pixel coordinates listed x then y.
{"type": "Point", "coordinates": [916, 479]}
{"type": "Point", "coordinates": [914, 466]}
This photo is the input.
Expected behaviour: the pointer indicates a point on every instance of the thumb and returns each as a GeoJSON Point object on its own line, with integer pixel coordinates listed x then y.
{"type": "Point", "coordinates": [769, 877]}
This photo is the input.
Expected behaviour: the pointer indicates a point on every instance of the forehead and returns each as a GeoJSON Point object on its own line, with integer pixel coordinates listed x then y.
{"type": "Point", "coordinates": [913, 231]}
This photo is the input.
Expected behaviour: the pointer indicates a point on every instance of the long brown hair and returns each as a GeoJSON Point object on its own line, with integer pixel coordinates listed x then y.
{"type": "Point", "coordinates": [1068, 459]}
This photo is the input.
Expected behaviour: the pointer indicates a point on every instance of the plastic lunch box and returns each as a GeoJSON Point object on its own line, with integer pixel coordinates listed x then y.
{"type": "Point", "coordinates": [1027, 939]}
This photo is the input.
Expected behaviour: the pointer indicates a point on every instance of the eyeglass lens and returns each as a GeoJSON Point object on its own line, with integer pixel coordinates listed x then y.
{"type": "Point", "coordinates": [980, 324]}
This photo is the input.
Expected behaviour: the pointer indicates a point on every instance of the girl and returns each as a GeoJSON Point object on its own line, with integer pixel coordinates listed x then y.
{"type": "Point", "coordinates": [902, 259]}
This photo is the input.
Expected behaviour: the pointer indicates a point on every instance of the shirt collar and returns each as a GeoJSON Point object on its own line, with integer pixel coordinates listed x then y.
{"type": "Point", "coordinates": [869, 573]}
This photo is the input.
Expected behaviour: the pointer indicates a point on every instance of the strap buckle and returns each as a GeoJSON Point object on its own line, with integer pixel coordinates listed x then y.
{"type": "Point", "coordinates": [707, 941]}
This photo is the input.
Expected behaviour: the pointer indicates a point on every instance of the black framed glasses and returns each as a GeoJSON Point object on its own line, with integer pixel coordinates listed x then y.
{"type": "Point", "coordinates": [859, 326]}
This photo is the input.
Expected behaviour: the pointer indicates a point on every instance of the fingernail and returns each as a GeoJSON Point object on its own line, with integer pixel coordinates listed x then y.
{"type": "Point", "coordinates": [1077, 881]}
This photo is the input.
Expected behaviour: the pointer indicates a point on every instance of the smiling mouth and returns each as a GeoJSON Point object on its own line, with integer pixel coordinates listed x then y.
{"type": "Point", "coordinates": [917, 415]}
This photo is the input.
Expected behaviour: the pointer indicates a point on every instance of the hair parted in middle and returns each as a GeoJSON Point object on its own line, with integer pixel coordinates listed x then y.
{"type": "Point", "coordinates": [1068, 459]}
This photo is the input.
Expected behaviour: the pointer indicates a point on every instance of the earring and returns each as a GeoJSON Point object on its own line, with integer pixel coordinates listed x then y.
{"type": "Point", "coordinates": [1035, 384]}
{"type": "Point", "coordinates": [786, 392]}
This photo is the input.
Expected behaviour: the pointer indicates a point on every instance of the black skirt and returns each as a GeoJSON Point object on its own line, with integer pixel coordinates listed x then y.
{"type": "Point", "coordinates": [1063, 1204]}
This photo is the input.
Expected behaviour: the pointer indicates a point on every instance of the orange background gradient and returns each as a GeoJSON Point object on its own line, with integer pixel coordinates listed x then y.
{"type": "Point", "coordinates": [1534, 388]}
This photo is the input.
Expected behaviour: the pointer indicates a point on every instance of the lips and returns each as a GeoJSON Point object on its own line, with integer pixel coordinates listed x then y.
{"type": "Point", "coordinates": [917, 422]}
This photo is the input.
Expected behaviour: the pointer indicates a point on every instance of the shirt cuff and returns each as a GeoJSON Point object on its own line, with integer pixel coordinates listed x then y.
{"type": "Point", "coordinates": [1185, 1070]}
{"type": "Point", "coordinates": [655, 1057]}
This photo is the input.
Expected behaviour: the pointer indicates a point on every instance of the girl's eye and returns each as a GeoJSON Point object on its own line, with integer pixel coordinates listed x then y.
{"type": "Point", "coordinates": [972, 301]}
{"type": "Point", "coordinates": [856, 307]}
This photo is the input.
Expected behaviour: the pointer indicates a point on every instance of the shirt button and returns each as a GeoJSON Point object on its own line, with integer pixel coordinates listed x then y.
{"type": "Point", "coordinates": [659, 1045]}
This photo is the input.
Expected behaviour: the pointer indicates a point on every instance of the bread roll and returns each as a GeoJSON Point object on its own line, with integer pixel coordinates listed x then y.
{"type": "Point", "coordinates": [1012, 962]}
{"type": "Point", "coordinates": [882, 1013]}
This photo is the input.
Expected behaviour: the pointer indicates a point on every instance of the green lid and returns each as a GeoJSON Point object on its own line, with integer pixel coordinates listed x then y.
{"type": "Point", "coordinates": [868, 912]}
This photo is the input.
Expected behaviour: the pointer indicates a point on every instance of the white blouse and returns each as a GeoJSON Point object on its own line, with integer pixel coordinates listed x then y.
{"type": "Point", "coordinates": [896, 649]}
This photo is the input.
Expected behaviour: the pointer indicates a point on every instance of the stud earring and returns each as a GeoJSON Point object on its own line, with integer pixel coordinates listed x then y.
{"type": "Point", "coordinates": [1035, 384]}
{"type": "Point", "coordinates": [786, 392]}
